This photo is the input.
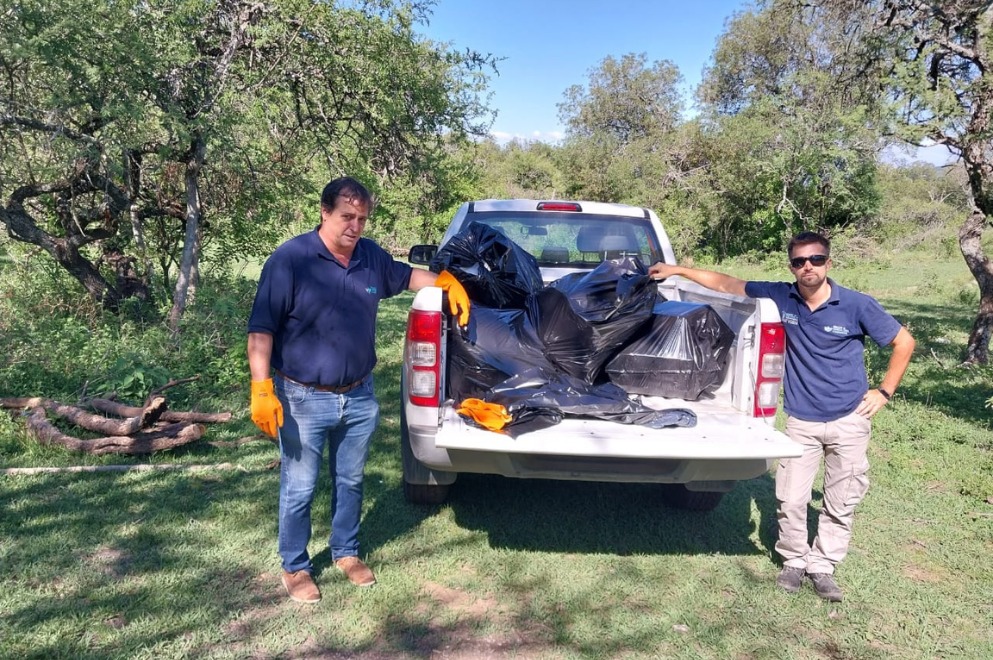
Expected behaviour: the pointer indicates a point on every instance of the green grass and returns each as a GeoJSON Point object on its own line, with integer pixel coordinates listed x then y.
{"type": "Point", "coordinates": [184, 564]}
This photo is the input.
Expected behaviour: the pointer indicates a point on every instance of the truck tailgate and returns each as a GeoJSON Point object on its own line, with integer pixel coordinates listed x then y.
{"type": "Point", "coordinates": [728, 435]}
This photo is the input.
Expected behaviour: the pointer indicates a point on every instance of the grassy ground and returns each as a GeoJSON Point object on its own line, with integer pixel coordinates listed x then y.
{"type": "Point", "coordinates": [183, 564]}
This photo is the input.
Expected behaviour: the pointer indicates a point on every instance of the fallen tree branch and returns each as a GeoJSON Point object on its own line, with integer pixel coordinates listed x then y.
{"type": "Point", "coordinates": [172, 383]}
{"type": "Point", "coordinates": [121, 410]}
{"type": "Point", "coordinates": [144, 467]}
{"type": "Point", "coordinates": [169, 437]}
{"type": "Point", "coordinates": [138, 419]}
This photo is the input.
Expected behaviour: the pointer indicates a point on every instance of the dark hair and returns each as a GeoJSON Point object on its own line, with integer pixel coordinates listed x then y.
{"type": "Point", "coordinates": [348, 188]}
{"type": "Point", "coordinates": [809, 238]}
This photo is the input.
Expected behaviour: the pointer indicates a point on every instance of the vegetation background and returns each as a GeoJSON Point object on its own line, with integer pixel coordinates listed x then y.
{"type": "Point", "coordinates": [144, 176]}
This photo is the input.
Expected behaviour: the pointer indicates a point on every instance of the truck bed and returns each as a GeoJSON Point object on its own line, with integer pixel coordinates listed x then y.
{"type": "Point", "coordinates": [721, 433]}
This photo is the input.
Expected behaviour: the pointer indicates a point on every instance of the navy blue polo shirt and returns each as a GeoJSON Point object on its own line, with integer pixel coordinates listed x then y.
{"type": "Point", "coordinates": [322, 315]}
{"type": "Point", "coordinates": [825, 348]}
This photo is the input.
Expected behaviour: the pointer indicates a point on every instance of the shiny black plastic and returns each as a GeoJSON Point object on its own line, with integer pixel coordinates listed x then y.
{"type": "Point", "coordinates": [495, 271]}
{"type": "Point", "coordinates": [683, 354]}
{"type": "Point", "coordinates": [540, 351]}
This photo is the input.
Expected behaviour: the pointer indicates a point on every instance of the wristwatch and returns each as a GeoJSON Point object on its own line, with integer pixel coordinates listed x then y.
{"type": "Point", "coordinates": [884, 393]}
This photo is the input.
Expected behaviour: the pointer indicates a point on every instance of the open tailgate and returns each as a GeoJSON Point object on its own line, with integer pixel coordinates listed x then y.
{"type": "Point", "coordinates": [716, 436]}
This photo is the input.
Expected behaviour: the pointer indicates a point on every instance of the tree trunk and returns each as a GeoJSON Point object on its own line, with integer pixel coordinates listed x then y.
{"type": "Point", "coordinates": [191, 246]}
{"type": "Point", "coordinates": [978, 163]}
{"type": "Point", "coordinates": [970, 241]}
{"type": "Point", "coordinates": [22, 227]}
{"type": "Point", "coordinates": [132, 174]}
{"type": "Point", "coordinates": [87, 274]}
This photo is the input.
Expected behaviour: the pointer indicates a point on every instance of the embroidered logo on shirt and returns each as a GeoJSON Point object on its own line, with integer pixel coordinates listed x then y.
{"type": "Point", "coordinates": [370, 289]}
{"type": "Point", "coordinates": [837, 330]}
{"type": "Point", "coordinates": [790, 318]}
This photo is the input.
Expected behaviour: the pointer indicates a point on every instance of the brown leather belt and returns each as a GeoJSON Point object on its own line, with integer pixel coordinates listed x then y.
{"type": "Point", "coordinates": [336, 389]}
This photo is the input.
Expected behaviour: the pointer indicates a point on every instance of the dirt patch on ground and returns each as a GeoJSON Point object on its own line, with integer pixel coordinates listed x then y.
{"type": "Point", "coordinates": [265, 604]}
{"type": "Point", "coordinates": [921, 574]}
{"type": "Point", "coordinates": [455, 622]}
{"type": "Point", "coordinates": [442, 623]}
{"type": "Point", "coordinates": [109, 561]}
{"type": "Point", "coordinates": [916, 570]}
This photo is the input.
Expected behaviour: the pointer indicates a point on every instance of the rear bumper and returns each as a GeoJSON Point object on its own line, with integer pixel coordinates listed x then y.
{"type": "Point", "coordinates": [724, 448]}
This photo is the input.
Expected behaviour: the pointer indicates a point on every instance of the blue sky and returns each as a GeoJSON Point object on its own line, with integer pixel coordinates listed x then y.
{"type": "Point", "coordinates": [549, 45]}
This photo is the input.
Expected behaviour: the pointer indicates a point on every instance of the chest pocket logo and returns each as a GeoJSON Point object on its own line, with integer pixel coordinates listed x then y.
{"type": "Point", "coordinates": [839, 330]}
{"type": "Point", "coordinates": [371, 290]}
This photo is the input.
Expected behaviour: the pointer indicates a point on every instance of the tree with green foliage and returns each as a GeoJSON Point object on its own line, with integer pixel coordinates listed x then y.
{"type": "Point", "coordinates": [624, 99]}
{"type": "Point", "coordinates": [787, 141]}
{"type": "Point", "coordinates": [934, 61]}
{"type": "Point", "coordinates": [627, 108]}
{"type": "Point", "coordinates": [923, 69]}
{"type": "Point", "coordinates": [141, 133]}
{"type": "Point", "coordinates": [519, 169]}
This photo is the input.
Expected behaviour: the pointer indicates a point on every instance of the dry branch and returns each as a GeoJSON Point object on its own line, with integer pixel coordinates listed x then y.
{"type": "Point", "coordinates": [121, 410]}
{"type": "Point", "coordinates": [140, 418]}
{"type": "Point", "coordinates": [168, 437]}
{"type": "Point", "coordinates": [136, 429]}
{"type": "Point", "coordinates": [172, 383]}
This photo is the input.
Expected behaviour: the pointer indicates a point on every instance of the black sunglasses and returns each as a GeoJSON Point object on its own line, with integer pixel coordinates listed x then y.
{"type": "Point", "coordinates": [815, 260]}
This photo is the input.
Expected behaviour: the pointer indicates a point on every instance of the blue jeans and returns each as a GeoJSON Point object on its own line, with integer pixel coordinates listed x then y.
{"type": "Point", "coordinates": [311, 420]}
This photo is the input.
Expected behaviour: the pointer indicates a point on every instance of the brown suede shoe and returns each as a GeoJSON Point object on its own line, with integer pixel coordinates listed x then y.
{"type": "Point", "coordinates": [358, 573]}
{"type": "Point", "coordinates": [301, 588]}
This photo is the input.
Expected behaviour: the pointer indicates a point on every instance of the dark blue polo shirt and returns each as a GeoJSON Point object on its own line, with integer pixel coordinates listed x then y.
{"type": "Point", "coordinates": [825, 348]}
{"type": "Point", "coordinates": [322, 315]}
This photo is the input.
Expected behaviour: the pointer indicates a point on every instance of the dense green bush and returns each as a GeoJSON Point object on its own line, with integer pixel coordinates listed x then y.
{"type": "Point", "coordinates": [57, 344]}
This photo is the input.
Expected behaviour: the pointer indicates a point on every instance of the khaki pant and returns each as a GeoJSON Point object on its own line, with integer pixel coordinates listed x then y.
{"type": "Point", "coordinates": [842, 444]}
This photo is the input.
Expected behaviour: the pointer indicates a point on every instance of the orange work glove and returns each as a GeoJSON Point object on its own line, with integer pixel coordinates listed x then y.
{"type": "Point", "coordinates": [458, 299]}
{"type": "Point", "coordinates": [492, 416]}
{"type": "Point", "coordinates": [267, 411]}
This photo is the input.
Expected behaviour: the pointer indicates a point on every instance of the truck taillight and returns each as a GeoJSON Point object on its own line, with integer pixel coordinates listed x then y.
{"type": "Point", "coordinates": [771, 366]}
{"type": "Point", "coordinates": [423, 351]}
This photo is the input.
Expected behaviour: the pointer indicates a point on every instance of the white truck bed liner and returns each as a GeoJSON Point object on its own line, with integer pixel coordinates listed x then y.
{"type": "Point", "coordinates": [728, 435]}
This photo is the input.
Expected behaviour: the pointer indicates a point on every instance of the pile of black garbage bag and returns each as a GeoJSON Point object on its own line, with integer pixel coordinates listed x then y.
{"type": "Point", "coordinates": [579, 346]}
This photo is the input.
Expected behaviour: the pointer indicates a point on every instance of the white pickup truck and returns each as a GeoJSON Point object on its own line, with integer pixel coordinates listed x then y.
{"type": "Point", "coordinates": [734, 437]}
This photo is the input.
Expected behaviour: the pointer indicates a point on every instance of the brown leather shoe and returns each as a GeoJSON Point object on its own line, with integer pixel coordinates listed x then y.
{"type": "Point", "coordinates": [357, 572]}
{"type": "Point", "coordinates": [301, 588]}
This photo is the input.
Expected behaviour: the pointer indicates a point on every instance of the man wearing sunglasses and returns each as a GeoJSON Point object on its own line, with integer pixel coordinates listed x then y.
{"type": "Point", "coordinates": [827, 399]}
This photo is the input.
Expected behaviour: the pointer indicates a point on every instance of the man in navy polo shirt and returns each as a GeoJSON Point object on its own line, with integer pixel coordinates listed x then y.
{"type": "Point", "coordinates": [827, 400]}
{"type": "Point", "coordinates": [314, 324]}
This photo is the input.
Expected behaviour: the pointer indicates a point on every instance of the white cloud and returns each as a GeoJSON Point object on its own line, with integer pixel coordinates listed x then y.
{"type": "Point", "coordinates": [935, 154]}
{"type": "Point", "coordinates": [552, 137]}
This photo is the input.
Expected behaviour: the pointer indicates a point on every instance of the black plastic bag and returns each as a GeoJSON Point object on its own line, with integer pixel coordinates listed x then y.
{"type": "Point", "coordinates": [683, 354]}
{"type": "Point", "coordinates": [495, 271]}
{"type": "Point", "coordinates": [498, 359]}
{"type": "Point", "coordinates": [583, 318]}
{"type": "Point", "coordinates": [538, 390]}
{"type": "Point", "coordinates": [496, 345]}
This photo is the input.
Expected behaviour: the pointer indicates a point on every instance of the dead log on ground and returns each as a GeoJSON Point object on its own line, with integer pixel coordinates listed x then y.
{"type": "Point", "coordinates": [122, 410]}
{"type": "Point", "coordinates": [167, 437]}
{"type": "Point", "coordinates": [138, 419]}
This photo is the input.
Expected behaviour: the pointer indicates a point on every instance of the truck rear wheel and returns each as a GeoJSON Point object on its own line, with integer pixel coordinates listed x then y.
{"type": "Point", "coordinates": [420, 483]}
{"type": "Point", "coordinates": [425, 493]}
{"type": "Point", "coordinates": [678, 496]}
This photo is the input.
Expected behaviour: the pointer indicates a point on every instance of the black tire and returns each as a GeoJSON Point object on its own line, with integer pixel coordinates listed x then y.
{"type": "Point", "coordinates": [425, 493]}
{"type": "Point", "coordinates": [420, 492]}
{"type": "Point", "coordinates": [678, 496]}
